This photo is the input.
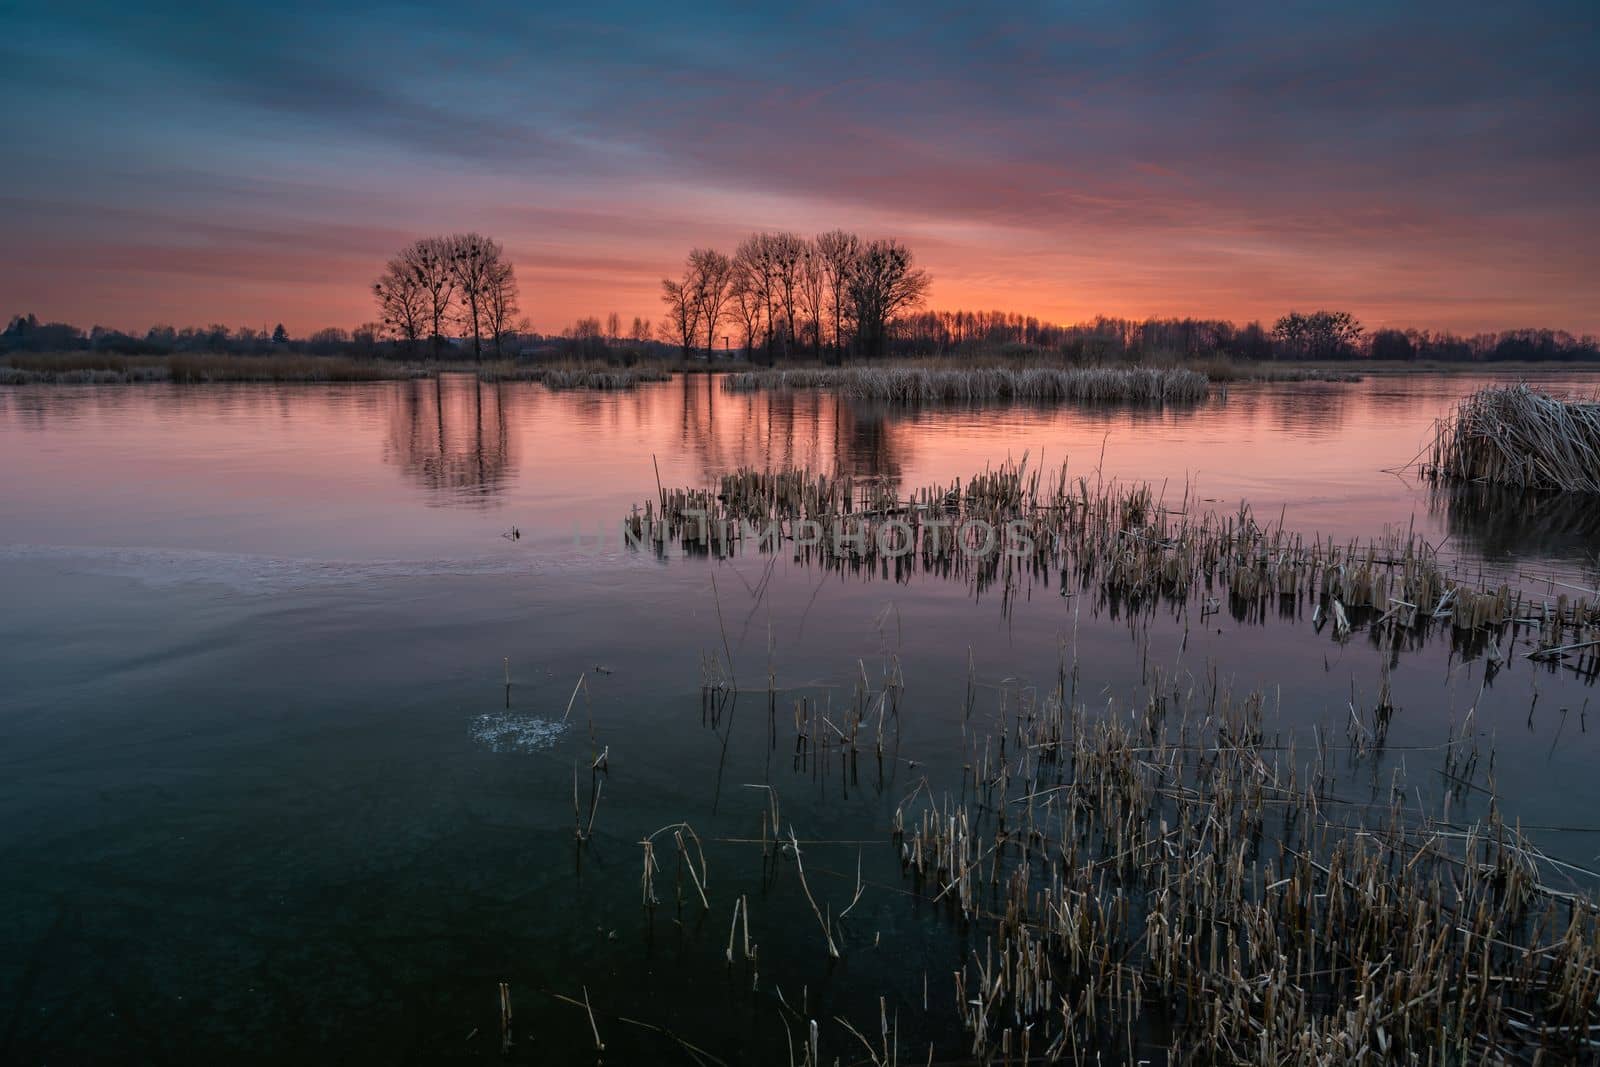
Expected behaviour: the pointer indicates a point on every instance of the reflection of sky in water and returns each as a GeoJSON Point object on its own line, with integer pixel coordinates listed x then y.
{"type": "Point", "coordinates": [439, 470]}
{"type": "Point", "coordinates": [255, 738]}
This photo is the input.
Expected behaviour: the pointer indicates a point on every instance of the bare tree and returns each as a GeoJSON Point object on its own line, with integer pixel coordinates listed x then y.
{"type": "Point", "coordinates": [748, 307]}
{"type": "Point", "coordinates": [500, 304]}
{"type": "Point", "coordinates": [813, 294]}
{"type": "Point", "coordinates": [402, 301]}
{"type": "Point", "coordinates": [641, 330]}
{"type": "Point", "coordinates": [756, 270]}
{"type": "Point", "coordinates": [474, 259]}
{"type": "Point", "coordinates": [428, 262]}
{"type": "Point", "coordinates": [882, 283]}
{"type": "Point", "coordinates": [838, 250]}
{"type": "Point", "coordinates": [613, 327]}
{"type": "Point", "coordinates": [787, 252]}
{"type": "Point", "coordinates": [711, 274]}
{"type": "Point", "coordinates": [681, 326]}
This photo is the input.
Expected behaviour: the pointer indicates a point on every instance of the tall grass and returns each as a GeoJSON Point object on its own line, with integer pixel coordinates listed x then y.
{"type": "Point", "coordinates": [930, 384]}
{"type": "Point", "coordinates": [1519, 438]}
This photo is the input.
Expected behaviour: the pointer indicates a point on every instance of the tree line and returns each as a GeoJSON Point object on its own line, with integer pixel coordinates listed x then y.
{"type": "Point", "coordinates": [26, 333]}
{"type": "Point", "coordinates": [921, 333]}
{"type": "Point", "coordinates": [780, 296]}
{"type": "Point", "coordinates": [786, 296]}
{"type": "Point", "coordinates": [1321, 335]}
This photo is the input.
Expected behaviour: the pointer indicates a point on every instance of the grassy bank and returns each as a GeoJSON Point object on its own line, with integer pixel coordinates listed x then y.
{"type": "Point", "coordinates": [933, 383]}
{"type": "Point", "coordinates": [1519, 438]}
{"type": "Point", "coordinates": [109, 368]}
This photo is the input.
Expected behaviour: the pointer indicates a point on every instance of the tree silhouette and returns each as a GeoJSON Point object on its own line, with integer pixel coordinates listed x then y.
{"type": "Point", "coordinates": [882, 283]}
{"type": "Point", "coordinates": [474, 262]}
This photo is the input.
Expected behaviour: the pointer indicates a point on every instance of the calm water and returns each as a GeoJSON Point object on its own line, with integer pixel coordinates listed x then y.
{"type": "Point", "coordinates": [261, 795]}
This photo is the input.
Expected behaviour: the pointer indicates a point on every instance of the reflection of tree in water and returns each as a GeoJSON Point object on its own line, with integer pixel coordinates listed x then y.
{"type": "Point", "coordinates": [867, 434]}
{"type": "Point", "coordinates": [1302, 409]}
{"type": "Point", "coordinates": [806, 427]}
{"type": "Point", "coordinates": [450, 435]}
{"type": "Point", "coordinates": [1310, 409]}
{"type": "Point", "coordinates": [1506, 524]}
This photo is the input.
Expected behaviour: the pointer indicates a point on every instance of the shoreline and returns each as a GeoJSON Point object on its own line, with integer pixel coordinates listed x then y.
{"type": "Point", "coordinates": [81, 368]}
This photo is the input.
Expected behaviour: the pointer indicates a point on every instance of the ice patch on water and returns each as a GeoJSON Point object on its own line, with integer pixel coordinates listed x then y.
{"type": "Point", "coordinates": [505, 732]}
{"type": "Point", "coordinates": [245, 573]}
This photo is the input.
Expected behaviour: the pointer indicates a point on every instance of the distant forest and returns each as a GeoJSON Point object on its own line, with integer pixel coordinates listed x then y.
{"type": "Point", "coordinates": [924, 333]}
{"type": "Point", "coordinates": [777, 298]}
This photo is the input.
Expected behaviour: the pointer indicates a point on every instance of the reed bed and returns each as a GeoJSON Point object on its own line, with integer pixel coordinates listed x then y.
{"type": "Point", "coordinates": [1181, 881]}
{"type": "Point", "coordinates": [920, 384]}
{"type": "Point", "coordinates": [1178, 879]}
{"type": "Point", "coordinates": [1520, 438]}
{"type": "Point", "coordinates": [1173, 869]}
{"type": "Point", "coordinates": [574, 375]}
{"type": "Point", "coordinates": [1012, 527]}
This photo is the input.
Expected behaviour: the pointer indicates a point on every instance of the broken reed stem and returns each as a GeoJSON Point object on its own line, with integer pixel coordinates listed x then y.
{"type": "Point", "coordinates": [583, 685]}
{"type": "Point", "coordinates": [701, 878]}
{"type": "Point", "coordinates": [599, 1046]}
{"type": "Point", "coordinates": [827, 928]}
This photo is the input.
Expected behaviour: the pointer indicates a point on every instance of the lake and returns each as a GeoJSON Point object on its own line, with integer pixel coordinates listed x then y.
{"type": "Point", "coordinates": [267, 793]}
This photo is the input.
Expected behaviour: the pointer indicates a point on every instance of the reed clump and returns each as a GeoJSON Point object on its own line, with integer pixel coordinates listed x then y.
{"type": "Point", "coordinates": [608, 379]}
{"type": "Point", "coordinates": [1518, 437]}
{"type": "Point", "coordinates": [602, 376]}
{"type": "Point", "coordinates": [925, 384]}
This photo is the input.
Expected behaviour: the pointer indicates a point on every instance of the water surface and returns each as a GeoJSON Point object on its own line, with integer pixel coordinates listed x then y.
{"type": "Point", "coordinates": [263, 794]}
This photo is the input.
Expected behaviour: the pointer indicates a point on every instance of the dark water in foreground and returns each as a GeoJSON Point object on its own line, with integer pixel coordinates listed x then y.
{"type": "Point", "coordinates": [261, 796]}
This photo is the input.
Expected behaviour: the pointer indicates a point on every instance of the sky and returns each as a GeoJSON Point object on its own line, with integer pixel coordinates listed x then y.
{"type": "Point", "coordinates": [1421, 165]}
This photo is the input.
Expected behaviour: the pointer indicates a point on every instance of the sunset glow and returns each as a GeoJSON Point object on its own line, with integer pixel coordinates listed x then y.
{"type": "Point", "coordinates": [1430, 167]}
